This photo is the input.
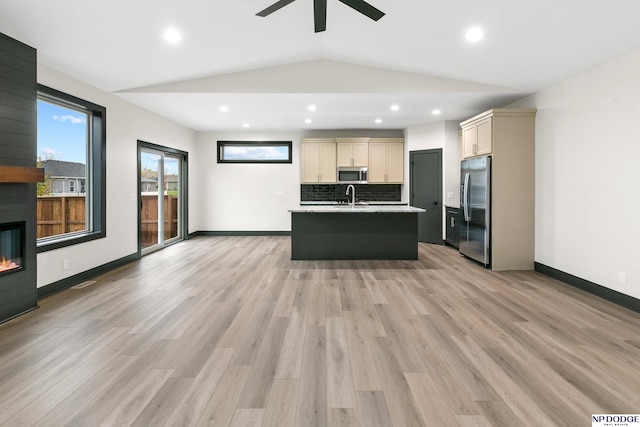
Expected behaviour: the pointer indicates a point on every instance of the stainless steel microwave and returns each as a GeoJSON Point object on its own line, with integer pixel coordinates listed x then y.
{"type": "Point", "coordinates": [352, 175]}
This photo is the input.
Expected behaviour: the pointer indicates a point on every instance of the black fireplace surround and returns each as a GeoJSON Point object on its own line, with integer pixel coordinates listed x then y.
{"type": "Point", "coordinates": [18, 148]}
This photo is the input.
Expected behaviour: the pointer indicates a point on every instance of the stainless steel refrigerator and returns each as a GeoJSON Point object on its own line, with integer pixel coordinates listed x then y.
{"type": "Point", "coordinates": [475, 209]}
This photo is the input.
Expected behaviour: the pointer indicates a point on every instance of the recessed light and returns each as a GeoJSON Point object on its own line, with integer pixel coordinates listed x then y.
{"type": "Point", "coordinates": [311, 108]}
{"type": "Point", "coordinates": [395, 107]}
{"type": "Point", "coordinates": [224, 108]}
{"type": "Point", "coordinates": [246, 125]}
{"type": "Point", "coordinates": [172, 35]}
{"type": "Point", "coordinates": [307, 121]}
{"type": "Point", "coordinates": [474, 34]}
{"type": "Point", "coordinates": [378, 121]}
{"type": "Point", "coordinates": [436, 112]}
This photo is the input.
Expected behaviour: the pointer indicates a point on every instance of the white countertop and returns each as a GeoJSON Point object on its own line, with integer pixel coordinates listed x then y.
{"type": "Point", "coordinates": [357, 209]}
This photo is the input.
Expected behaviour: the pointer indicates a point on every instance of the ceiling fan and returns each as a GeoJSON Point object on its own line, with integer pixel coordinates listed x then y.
{"type": "Point", "coordinates": [320, 11]}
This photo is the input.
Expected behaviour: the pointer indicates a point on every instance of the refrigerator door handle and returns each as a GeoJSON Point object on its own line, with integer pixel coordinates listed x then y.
{"type": "Point", "coordinates": [465, 197]}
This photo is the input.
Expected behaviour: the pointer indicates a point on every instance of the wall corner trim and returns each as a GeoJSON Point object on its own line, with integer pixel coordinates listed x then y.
{"type": "Point", "coordinates": [593, 288]}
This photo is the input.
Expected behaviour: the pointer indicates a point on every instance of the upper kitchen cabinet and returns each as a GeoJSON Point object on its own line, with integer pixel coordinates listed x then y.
{"type": "Point", "coordinates": [353, 152]}
{"type": "Point", "coordinates": [318, 160]}
{"type": "Point", "coordinates": [386, 161]}
{"type": "Point", "coordinates": [477, 136]}
{"type": "Point", "coordinates": [482, 134]}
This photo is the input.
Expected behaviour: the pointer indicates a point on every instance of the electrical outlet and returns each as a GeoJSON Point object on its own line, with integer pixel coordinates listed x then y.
{"type": "Point", "coordinates": [450, 195]}
{"type": "Point", "coordinates": [622, 278]}
{"type": "Point", "coordinates": [280, 193]}
{"type": "Point", "coordinates": [65, 264]}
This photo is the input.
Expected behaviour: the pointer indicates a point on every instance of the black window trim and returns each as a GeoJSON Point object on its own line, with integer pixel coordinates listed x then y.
{"type": "Point", "coordinates": [288, 144]}
{"type": "Point", "coordinates": [97, 168]}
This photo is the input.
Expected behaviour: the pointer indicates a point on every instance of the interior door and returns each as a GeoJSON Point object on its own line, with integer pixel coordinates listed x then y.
{"type": "Point", "coordinates": [426, 192]}
{"type": "Point", "coordinates": [161, 197]}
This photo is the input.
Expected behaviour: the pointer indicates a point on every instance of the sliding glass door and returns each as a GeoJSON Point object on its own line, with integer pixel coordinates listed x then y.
{"type": "Point", "coordinates": [161, 172]}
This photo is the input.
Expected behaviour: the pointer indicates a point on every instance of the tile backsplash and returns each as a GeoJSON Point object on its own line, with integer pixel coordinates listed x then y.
{"type": "Point", "coordinates": [364, 192]}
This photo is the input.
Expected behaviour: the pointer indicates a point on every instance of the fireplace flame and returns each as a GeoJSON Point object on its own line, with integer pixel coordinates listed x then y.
{"type": "Point", "coordinates": [7, 264]}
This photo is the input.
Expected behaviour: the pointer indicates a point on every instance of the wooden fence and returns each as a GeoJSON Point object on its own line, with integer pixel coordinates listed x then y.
{"type": "Point", "coordinates": [66, 214]}
{"type": "Point", "coordinates": [149, 219]}
{"type": "Point", "coordinates": [59, 215]}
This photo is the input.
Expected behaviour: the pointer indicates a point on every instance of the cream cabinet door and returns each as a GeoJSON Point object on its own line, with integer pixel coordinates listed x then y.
{"type": "Point", "coordinates": [386, 163]}
{"type": "Point", "coordinates": [328, 172]}
{"type": "Point", "coordinates": [318, 160]}
{"type": "Point", "coordinates": [353, 154]}
{"type": "Point", "coordinates": [469, 141]}
{"type": "Point", "coordinates": [484, 137]}
{"type": "Point", "coordinates": [377, 162]}
{"type": "Point", "coordinates": [360, 154]}
{"type": "Point", "coordinates": [310, 160]}
{"type": "Point", "coordinates": [395, 163]}
{"type": "Point", "coordinates": [345, 154]}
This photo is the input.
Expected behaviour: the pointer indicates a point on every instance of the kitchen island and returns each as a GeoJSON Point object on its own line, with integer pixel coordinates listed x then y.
{"type": "Point", "coordinates": [359, 232]}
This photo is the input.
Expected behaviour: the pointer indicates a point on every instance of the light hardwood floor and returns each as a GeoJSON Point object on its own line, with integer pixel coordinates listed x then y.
{"type": "Point", "coordinates": [228, 331]}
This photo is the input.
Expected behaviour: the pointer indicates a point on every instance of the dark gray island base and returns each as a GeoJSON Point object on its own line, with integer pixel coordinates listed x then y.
{"type": "Point", "coordinates": [359, 233]}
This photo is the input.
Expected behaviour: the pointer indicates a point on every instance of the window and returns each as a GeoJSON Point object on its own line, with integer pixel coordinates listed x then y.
{"type": "Point", "coordinates": [71, 148]}
{"type": "Point", "coordinates": [254, 152]}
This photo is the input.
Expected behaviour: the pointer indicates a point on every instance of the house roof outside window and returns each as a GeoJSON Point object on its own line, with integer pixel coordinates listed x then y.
{"type": "Point", "coordinates": [62, 169]}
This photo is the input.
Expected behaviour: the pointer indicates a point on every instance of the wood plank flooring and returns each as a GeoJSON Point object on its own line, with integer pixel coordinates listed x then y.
{"type": "Point", "coordinates": [228, 331]}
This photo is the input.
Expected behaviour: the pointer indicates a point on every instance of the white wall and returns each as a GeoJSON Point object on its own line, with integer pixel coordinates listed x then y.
{"type": "Point", "coordinates": [126, 124]}
{"type": "Point", "coordinates": [245, 197]}
{"type": "Point", "coordinates": [452, 164]}
{"type": "Point", "coordinates": [443, 135]}
{"type": "Point", "coordinates": [587, 163]}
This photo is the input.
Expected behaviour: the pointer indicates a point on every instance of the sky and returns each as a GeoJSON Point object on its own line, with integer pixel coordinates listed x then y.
{"type": "Point", "coordinates": [150, 161]}
{"type": "Point", "coordinates": [257, 152]}
{"type": "Point", "coordinates": [62, 133]}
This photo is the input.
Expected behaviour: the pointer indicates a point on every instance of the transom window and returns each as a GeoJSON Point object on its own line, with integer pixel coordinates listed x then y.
{"type": "Point", "coordinates": [254, 152]}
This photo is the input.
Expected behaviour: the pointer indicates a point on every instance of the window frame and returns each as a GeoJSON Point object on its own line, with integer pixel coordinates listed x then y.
{"type": "Point", "coordinates": [222, 144]}
{"type": "Point", "coordinates": [96, 176]}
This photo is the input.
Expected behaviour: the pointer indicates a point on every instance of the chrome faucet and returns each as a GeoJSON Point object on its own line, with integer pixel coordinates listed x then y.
{"type": "Point", "coordinates": [353, 194]}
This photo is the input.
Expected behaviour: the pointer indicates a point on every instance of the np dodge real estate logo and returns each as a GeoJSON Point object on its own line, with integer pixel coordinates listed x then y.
{"type": "Point", "coordinates": [615, 420]}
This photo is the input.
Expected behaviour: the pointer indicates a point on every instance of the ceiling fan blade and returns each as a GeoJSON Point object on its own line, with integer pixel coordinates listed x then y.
{"type": "Point", "coordinates": [277, 5]}
{"type": "Point", "coordinates": [364, 8]}
{"type": "Point", "coordinates": [320, 15]}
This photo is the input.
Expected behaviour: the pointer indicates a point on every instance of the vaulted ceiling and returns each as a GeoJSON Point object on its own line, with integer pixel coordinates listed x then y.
{"type": "Point", "coordinates": [267, 70]}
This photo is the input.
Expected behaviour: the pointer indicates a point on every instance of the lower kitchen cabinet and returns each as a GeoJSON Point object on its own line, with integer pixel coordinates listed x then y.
{"type": "Point", "coordinates": [453, 219]}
